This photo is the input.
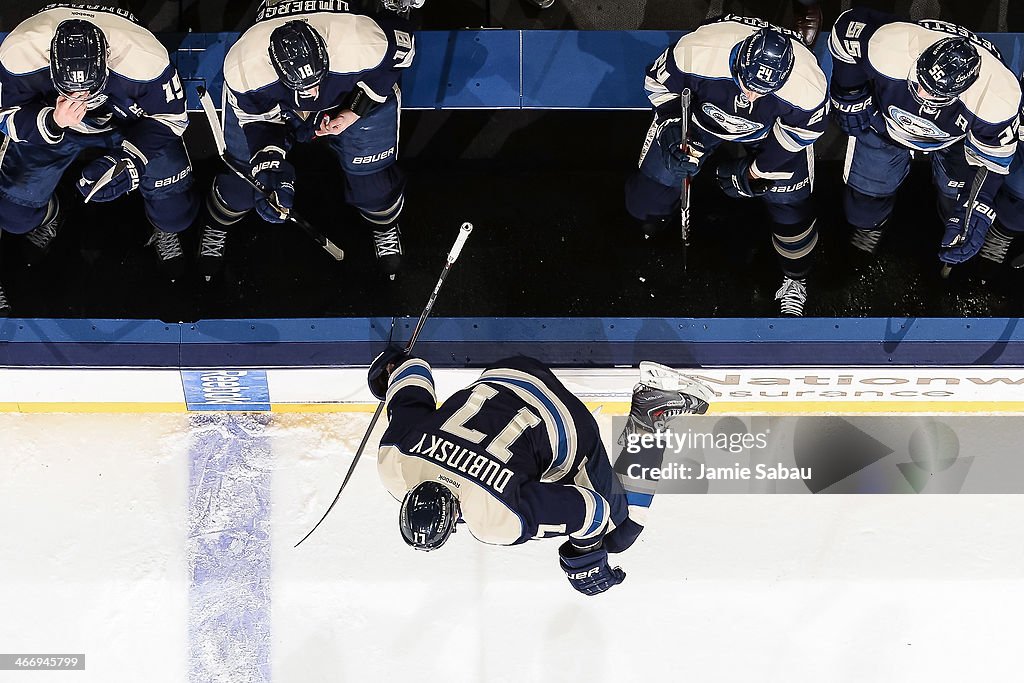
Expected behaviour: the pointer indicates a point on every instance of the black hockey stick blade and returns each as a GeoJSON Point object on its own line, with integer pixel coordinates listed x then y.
{"type": "Point", "coordinates": [1018, 262]}
{"type": "Point", "coordinates": [330, 247]}
{"type": "Point", "coordinates": [946, 270]}
{"type": "Point", "coordinates": [348, 474]}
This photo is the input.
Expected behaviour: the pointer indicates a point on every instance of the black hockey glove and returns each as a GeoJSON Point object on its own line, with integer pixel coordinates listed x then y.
{"type": "Point", "coordinates": [378, 377]}
{"type": "Point", "coordinates": [966, 231]}
{"type": "Point", "coordinates": [590, 572]}
{"type": "Point", "coordinates": [735, 181]}
{"type": "Point", "coordinates": [675, 158]}
{"type": "Point", "coordinates": [854, 110]}
{"type": "Point", "coordinates": [271, 170]}
{"type": "Point", "coordinates": [119, 185]}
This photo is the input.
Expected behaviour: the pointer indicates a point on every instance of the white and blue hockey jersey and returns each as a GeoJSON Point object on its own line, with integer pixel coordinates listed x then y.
{"type": "Point", "coordinates": [143, 97]}
{"type": "Point", "coordinates": [366, 53]}
{"type": "Point", "coordinates": [507, 447]}
{"type": "Point", "coordinates": [872, 47]}
{"type": "Point", "coordinates": [785, 122]}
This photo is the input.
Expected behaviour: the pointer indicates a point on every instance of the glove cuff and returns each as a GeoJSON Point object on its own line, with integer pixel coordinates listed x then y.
{"type": "Point", "coordinates": [134, 154]}
{"type": "Point", "coordinates": [272, 150]}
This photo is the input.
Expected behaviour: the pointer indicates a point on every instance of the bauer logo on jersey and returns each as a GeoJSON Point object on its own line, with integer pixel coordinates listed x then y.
{"type": "Point", "coordinates": [733, 125]}
{"type": "Point", "coordinates": [915, 125]}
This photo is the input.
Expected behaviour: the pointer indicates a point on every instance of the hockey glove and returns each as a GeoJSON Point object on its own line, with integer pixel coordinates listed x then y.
{"type": "Point", "coordinates": [590, 572]}
{"type": "Point", "coordinates": [675, 158]}
{"type": "Point", "coordinates": [379, 376]}
{"type": "Point", "coordinates": [735, 181]}
{"type": "Point", "coordinates": [622, 536]}
{"type": "Point", "coordinates": [854, 110]}
{"type": "Point", "coordinates": [119, 185]}
{"type": "Point", "coordinates": [277, 176]}
{"type": "Point", "coordinates": [966, 231]}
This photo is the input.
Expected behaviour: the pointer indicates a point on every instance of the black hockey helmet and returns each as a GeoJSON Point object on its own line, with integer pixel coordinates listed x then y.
{"type": "Point", "coordinates": [944, 71]}
{"type": "Point", "coordinates": [763, 61]}
{"type": "Point", "coordinates": [428, 517]}
{"type": "Point", "coordinates": [78, 58]}
{"type": "Point", "coordinates": [299, 55]}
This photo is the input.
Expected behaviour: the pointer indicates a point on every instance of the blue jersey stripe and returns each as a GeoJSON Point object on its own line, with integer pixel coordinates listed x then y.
{"type": "Point", "coordinates": [641, 499]}
{"type": "Point", "coordinates": [599, 515]}
{"type": "Point", "coordinates": [561, 429]}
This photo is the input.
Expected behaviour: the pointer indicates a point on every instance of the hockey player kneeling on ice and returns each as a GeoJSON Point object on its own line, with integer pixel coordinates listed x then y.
{"type": "Point", "coordinates": [753, 84]}
{"type": "Point", "coordinates": [926, 87]}
{"type": "Point", "coordinates": [298, 76]}
{"type": "Point", "coordinates": [81, 77]}
{"type": "Point", "coordinates": [515, 456]}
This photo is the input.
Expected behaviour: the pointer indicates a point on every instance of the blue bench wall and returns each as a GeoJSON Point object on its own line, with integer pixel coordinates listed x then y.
{"type": "Point", "coordinates": [459, 342]}
{"type": "Point", "coordinates": [498, 69]}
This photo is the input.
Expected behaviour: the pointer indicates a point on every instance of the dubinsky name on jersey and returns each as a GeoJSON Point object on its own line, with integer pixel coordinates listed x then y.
{"type": "Point", "coordinates": [871, 46]}
{"type": "Point", "coordinates": [369, 54]}
{"type": "Point", "coordinates": [788, 120]}
{"type": "Point", "coordinates": [143, 96]}
{"type": "Point", "coordinates": [507, 447]}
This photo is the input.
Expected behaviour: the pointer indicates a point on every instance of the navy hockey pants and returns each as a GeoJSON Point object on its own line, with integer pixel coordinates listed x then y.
{"type": "Point", "coordinates": [875, 168]}
{"type": "Point", "coordinates": [788, 203]}
{"type": "Point", "coordinates": [652, 194]}
{"type": "Point", "coordinates": [367, 151]}
{"type": "Point", "coordinates": [29, 174]}
{"type": "Point", "coordinates": [1010, 200]}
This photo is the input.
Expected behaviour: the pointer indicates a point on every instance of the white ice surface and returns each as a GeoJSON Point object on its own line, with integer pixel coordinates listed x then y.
{"type": "Point", "coordinates": [93, 517]}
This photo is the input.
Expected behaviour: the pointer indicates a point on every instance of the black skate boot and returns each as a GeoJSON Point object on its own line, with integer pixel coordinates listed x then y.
{"type": "Point", "coordinates": [5, 305]}
{"type": "Point", "coordinates": [212, 246]}
{"type": "Point", "coordinates": [170, 255]}
{"type": "Point", "coordinates": [387, 241]}
{"type": "Point", "coordinates": [40, 238]}
{"type": "Point", "coordinates": [666, 395]}
{"type": "Point", "coordinates": [792, 296]}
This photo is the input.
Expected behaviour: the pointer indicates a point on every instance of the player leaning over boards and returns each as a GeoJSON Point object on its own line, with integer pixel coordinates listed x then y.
{"type": "Point", "coordinates": [927, 87]}
{"type": "Point", "coordinates": [81, 77]}
{"type": "Point", "coordinates": [295, 77]}
{"type": "Point", "coordinates": [752, 84]}
{"type": "Point", "coordinates": [1010, 210]}
{"type": "Point", "coordinates": [516, 457]}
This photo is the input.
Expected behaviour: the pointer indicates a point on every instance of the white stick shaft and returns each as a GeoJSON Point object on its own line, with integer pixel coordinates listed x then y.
{"type": "Point", "coordinates": [211, 114]}
{"type": "Point", "coordinates": [459, 242]}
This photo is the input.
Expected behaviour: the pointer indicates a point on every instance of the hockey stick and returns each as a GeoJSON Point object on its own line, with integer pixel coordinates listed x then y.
{"type": "Point", "coordinates": [979, 179]}
{"type": "Point", "coordinates": [218, 137]}
{"type": "Point", "coordinates": [452, 256]}
{"type": "Point", "coordinates": [1018, 262]}
{"type": "Point", "coordinates": [684, 194]}
{"type": "Point", "coordinates": [105, 179]}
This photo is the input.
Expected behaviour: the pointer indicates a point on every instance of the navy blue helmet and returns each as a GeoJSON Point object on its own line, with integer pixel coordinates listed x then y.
{"type": "Point", "coordinates": [299, 55]}
{"type": "Point", "coordinates": [763, 61]}
{"type": "Point", "coordinates": [78, 58]}
{"type": "Point", "coordinates": [428, 517]}
{"type": "Point", "coordinates": [945, 70]}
